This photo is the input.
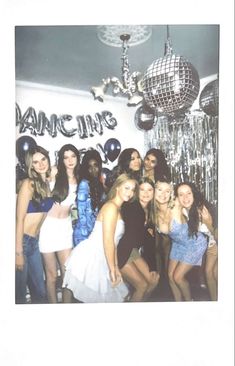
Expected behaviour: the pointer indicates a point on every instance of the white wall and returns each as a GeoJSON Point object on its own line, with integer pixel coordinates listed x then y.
{"type": "Point", "coordinates": [54, 100]}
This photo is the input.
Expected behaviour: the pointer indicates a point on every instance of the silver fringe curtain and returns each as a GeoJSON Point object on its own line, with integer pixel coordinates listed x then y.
{"type": "Point", "coordinates": [190, 145]}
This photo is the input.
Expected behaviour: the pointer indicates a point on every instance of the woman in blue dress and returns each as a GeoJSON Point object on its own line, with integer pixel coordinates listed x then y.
{"type": "Point", "coordinates": [188, 244]}
{"type": "Point", "coordinates": [191, 199]}
{"type": "Point", "coordinates": [90, 195]}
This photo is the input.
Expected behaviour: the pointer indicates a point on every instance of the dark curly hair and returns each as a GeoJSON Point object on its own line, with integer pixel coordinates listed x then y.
{"type": "Point", "coordinates": [95, 185]}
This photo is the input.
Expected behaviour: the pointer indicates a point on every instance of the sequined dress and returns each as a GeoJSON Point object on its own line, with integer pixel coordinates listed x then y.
{"type": "Point", "coordinates": [186, 249]}
{"type": "Point", "coordinates": [87, 272]}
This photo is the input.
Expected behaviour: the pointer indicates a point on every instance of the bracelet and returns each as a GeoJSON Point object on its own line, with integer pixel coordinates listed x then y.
{"type": "Point", "coordinates": [19, 253]}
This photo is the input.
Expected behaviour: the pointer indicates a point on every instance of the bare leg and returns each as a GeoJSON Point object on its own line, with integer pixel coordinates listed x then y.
{"type": "Point", "coordinates": [180, 280]}
{"type": "Point", "coordinates": [67, 295]}
{"type": "Point", "coordinates": [201, 272]}
{"type": "Point", "coordinates": [50, 265]}
{"type": "Point", "coordinates": [143, 268]}
{"type": "Point", "coordinates": [174, 287]}
{"type": "Point", "coordinates": [131, 274]}
{"type": "Point", "coordinates": [62, 257]}
{"type": "Point", "coordinates": [211, 271]}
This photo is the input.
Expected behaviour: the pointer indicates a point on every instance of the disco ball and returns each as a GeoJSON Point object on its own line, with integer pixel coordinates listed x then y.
{"type": "Point", "coordinates": [170, 84]}
{"type": "Point", "coordinates": [145, 118]}
{"type": "Point", "coordinates": [209, 98]}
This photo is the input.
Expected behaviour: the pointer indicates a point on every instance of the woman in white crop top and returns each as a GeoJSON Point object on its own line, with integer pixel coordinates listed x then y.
{"type": "Point", "coordinates": [55, 241]}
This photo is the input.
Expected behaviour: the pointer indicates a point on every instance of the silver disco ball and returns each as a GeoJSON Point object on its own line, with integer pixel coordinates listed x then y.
{"type": "Point", "coordinates": [170, 84]}
{"type": "Point", "coordinates": [209, 98]}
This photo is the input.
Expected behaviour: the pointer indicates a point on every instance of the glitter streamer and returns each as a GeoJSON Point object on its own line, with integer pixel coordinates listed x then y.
{"type": "Point", "coordinates": [191, 149]}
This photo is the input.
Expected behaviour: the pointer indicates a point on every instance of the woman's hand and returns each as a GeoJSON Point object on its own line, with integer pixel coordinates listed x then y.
{"type": "Point", "coordinates": [115, 276]}
{"type": "Point", "coordinates": [19, 261]}
{"type": "Point", "coordinates": [206, 217]}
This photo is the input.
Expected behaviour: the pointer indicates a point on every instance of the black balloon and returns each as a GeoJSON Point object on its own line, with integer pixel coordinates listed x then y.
{"type": "Point", "coordinates": [209, 98]}
{"type": "Point", "coordinates": [112, 148]}
{"type": "Point", "coordinates": [145, 118]}
{"type": "Point", "coordinates": [24, 144]}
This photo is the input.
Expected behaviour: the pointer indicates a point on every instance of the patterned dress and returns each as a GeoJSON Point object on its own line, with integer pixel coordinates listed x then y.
{"type": "Point", "coordinates": [185, 248]}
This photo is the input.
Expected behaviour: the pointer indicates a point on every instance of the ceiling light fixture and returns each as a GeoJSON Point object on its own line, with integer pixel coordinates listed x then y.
{"type": "Point", "coordinates": [130, 85]}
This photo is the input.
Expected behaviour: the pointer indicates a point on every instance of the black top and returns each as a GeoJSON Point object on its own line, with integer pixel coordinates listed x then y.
{"type": "Point", "coordinates": [136, 235]}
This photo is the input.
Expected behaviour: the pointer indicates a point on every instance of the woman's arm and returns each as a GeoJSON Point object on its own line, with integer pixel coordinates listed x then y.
{"type": "Point", "coordinates": [23, 198]}
{"type": "Point", "coordinates": [206, 219]}
{"type": "Point", "coordinates": [86, 217]}
{"type": "Point", "coordinates": [109, 219]}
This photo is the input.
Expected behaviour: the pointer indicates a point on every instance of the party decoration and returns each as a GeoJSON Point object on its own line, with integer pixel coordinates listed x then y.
{"type": "Point", "coordinates": [112, 148]}
{"type": "Point", "coordinates": [23, 145]}
{"type": "Point", "coordinates": [130, 85]}
{"type": "Point", "coordinates": [29, 121]}
{"type": "Point", "coordinates": [171, 83]}
{"type": "Point", "coordinates": [209, 98]}
{"type": "Point", "coordinates": [145, 118]}
{"type": "Point", "coordinates": [43, 123]}
{"type": "Point", "coordinates": [191, 148]}
{"type": "Point", "coordinates": [61, 125]}
{"type": "Point", "coordinates": [87, 126]}
{"type": "Point", "coordinates": [101, 151]}
{"type": "Point", "coordinates": [18, 114]}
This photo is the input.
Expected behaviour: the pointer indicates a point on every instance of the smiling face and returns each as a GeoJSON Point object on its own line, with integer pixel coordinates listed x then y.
{"type": "Point", "coordinates": [146, 193]}
{"type": "Point", "coordinates": [126, 190]}
{"type": "Point", "coordinates": [163, 192]}
{"type": "Point", "coordinates": [40, 163]}
{"type": "Point", "coordinates": [70, 159]}
{"type": "Point", "coordinates": [185, 196]}
{"type": "Point", "coordinates": [135, 163]}
{"type": "Point", "coordinates": [150, 161]}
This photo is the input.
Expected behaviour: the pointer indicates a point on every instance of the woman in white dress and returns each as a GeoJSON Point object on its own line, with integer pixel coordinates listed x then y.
{"type": "Point", "coordinates": [91, 271]}
{"type": "Point", "coordinates": [56, 234]}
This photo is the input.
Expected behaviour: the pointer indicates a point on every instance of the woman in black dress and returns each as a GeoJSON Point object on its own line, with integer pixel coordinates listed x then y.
{"type": "Point", "coordinates": [140, 272]}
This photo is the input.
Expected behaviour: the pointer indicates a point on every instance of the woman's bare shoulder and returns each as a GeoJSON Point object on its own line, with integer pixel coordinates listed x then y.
{"type": "Point", "coordinates": [108, 209]}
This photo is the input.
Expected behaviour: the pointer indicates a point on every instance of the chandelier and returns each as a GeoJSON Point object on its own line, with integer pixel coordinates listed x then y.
{"type": "Point", "coordinates": [131, 83]}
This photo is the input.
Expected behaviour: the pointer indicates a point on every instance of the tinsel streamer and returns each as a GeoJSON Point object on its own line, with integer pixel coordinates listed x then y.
{"type": "Point", "coordinates": [191, 149]}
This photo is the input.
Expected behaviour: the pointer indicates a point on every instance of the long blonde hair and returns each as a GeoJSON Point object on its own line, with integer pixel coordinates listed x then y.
{"type": "Point", "coordinates": [40, 188]}
{"type": "Point", "coordinates": [121, 179]}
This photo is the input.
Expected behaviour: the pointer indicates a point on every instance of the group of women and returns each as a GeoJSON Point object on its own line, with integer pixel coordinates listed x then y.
{"type": "Point", "coordinates": [109, 252]}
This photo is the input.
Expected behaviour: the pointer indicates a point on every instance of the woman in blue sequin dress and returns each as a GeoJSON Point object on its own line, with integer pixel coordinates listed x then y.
{"type": "Point", "coordinates": [188, 244]}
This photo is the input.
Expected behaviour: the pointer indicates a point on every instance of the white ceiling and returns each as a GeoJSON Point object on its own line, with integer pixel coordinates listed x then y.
{"type": "Point", "coordinates": [74, 57]}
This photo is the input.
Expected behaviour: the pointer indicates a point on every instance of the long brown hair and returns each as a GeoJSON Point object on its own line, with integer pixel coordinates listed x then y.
{"type": "Point", "coordinates": [40, 188]}
{"type": "Point", "coordinates": [61, 188]}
